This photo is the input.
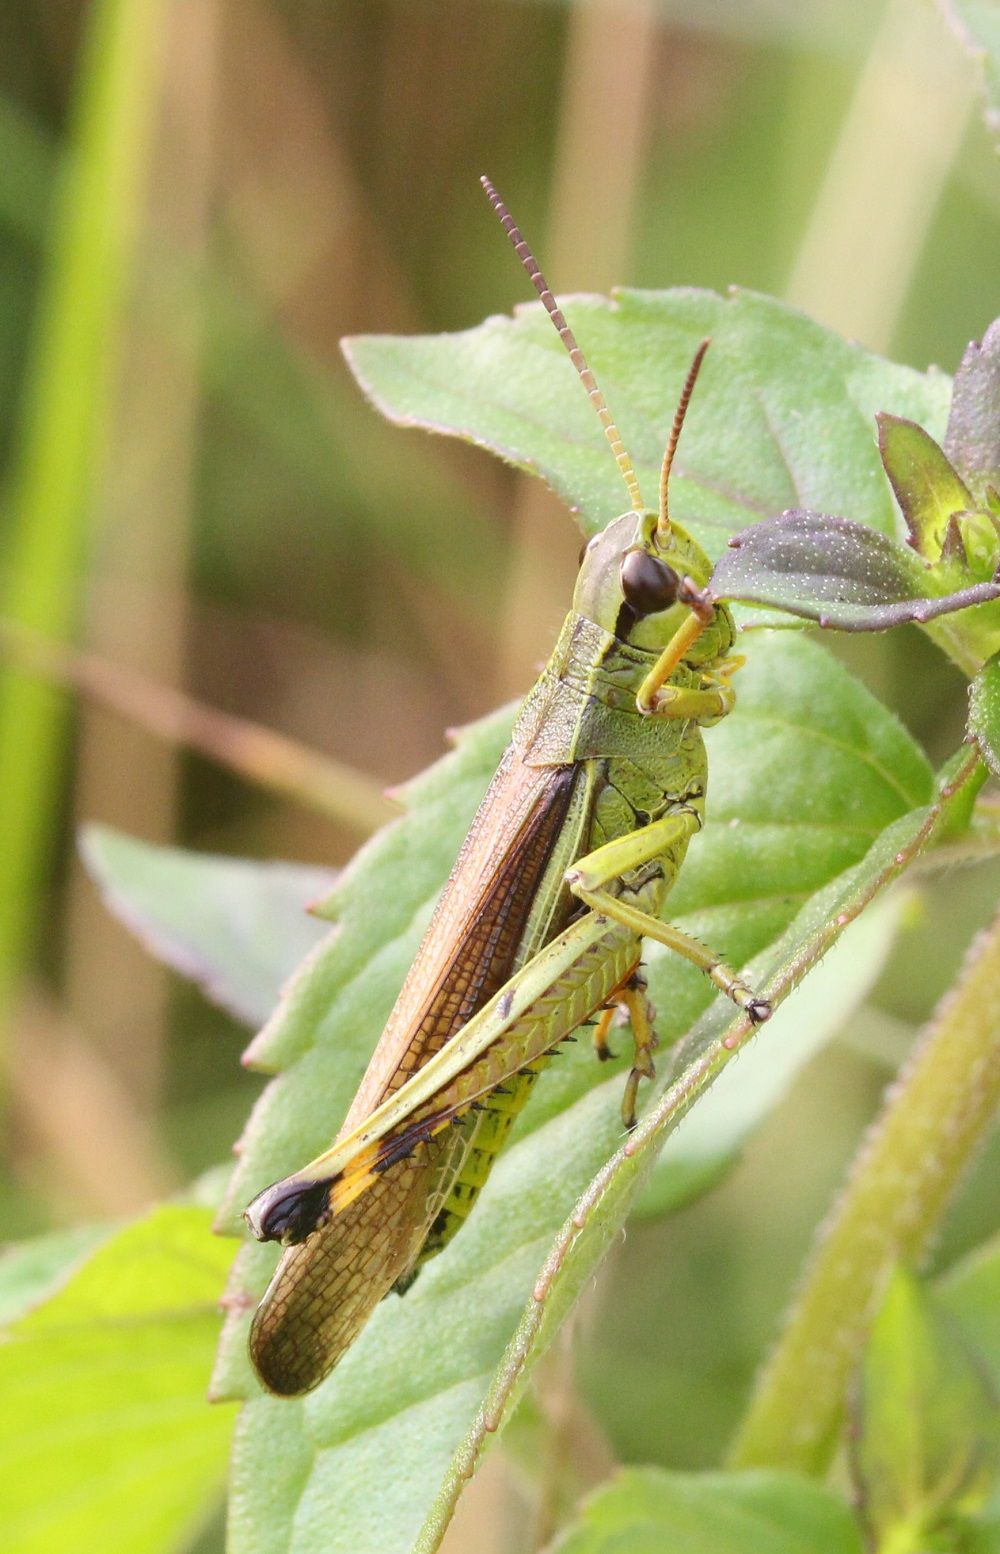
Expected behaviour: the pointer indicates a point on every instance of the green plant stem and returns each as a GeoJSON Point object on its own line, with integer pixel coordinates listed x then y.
{"type": "Point", "coordinates": [64, 419]}
{"type": "Point", "coordinates": [933, 1120]}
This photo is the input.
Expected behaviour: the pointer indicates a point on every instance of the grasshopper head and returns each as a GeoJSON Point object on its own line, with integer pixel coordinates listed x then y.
{"type": "Point", "coordinates": [638, 585]}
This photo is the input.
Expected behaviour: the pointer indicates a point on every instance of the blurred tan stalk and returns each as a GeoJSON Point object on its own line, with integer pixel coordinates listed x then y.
{"type": "Point", "coordinates": [897, 143]}
{"type": "Point", "coordinates": [257, 754]}
{"type": "Point", "coordinates": [603, 126]}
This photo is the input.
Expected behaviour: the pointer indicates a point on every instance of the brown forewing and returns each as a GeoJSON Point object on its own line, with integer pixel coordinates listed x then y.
{"type": "Point", "coordinates": [324, 1289]}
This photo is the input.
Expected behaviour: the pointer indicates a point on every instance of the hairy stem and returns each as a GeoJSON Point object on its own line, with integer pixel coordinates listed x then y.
{"type": "Point", "coordinates": [932, 1122]}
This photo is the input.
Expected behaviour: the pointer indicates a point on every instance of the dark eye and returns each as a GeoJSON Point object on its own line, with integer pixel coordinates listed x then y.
{"type": "Point", "coordinates": [648, 584]}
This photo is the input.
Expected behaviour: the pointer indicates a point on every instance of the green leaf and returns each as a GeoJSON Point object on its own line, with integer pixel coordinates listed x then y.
{"type": "Point", "coordinates": [972, 441]}
{"type": "Point", "coordinates": [29, 1269]}
{"type": "Point", "coordinates": [650, 1511]}
{"type": "Point", "coordinates": [806, 776]}
{"type": "Point", "coordinates": [927, 1435]}
{"type": "Point", "coordinates": [984, 713]}
{"type": "Point", "coordinates": [105, 1423]}
{"type": "Point", "coordinates": [927, 488]}
{"type": "Point", "coordinates": [237, 928]}
{"type": "Point", "coordinates": [837, 573]}
{"type": "Point", "coordinates": [782, 415]}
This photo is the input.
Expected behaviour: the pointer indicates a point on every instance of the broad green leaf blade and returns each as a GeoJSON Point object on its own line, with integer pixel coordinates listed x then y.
{"type": "Point", "coordinates": [107, 1440]}
{"type": "Point", "coordinates": [836, 572]}
{"type": "Point", "coordinates": [237, 928]}
{"type": "Point", "coordinates": [927, 488]}
{"type": "Point", "coordinates": [650, 1511]}
{"type": "Point", "coordinates": [972, 441]}
{"type": "Point", "coordinates": [926, 1445]}
{"type": "Point", "coordinates": [782, 416]}
{"type": "Point", "coordinates": [30, 1269]}
{"type": "Point", "coordinates": [984, 713]}
{"type": "Point", "coordinates": [809, 761]}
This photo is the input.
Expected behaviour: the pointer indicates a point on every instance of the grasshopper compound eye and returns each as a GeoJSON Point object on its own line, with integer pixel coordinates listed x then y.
{"type": "Point", "coordinates": [648, 584]}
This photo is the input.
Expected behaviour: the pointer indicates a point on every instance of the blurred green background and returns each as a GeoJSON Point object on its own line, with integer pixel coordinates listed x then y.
{"type": "Point", "coordinates": [198, 198]}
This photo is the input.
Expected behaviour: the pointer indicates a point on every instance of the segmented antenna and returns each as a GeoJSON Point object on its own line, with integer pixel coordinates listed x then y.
{"type": "Point", "coordinates": [663, 521]}
{"type": "Point", "coordinates": [568, 339]}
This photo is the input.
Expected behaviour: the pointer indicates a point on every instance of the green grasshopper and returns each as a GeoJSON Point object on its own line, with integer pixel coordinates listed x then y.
{"type": "Point", "coordinates": [539, 928]}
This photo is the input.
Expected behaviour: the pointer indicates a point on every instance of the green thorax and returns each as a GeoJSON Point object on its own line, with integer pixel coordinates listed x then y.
{"type": "Point", "coordinates": [584, 704]}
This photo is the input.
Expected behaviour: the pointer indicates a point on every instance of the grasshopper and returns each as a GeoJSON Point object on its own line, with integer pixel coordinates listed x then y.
{"type": "Point", "coordinates": [539, 928]}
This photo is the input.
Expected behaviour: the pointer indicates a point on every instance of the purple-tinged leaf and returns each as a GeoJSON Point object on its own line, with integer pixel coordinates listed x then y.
{"type": "Point", "coordinates": [984, 713]}
{"type": "Point", "coordinates": [972, 441]}
{"type": "Point", "coordinates": [835, 572]}
{"type": "Point", "coordinates": [927, 488]}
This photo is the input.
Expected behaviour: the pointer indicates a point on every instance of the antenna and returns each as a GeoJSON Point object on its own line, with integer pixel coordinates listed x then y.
{"type": "Point", "coordinates": [568, 339]}
{"type": "Point", "coordinates": [663, 521]}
